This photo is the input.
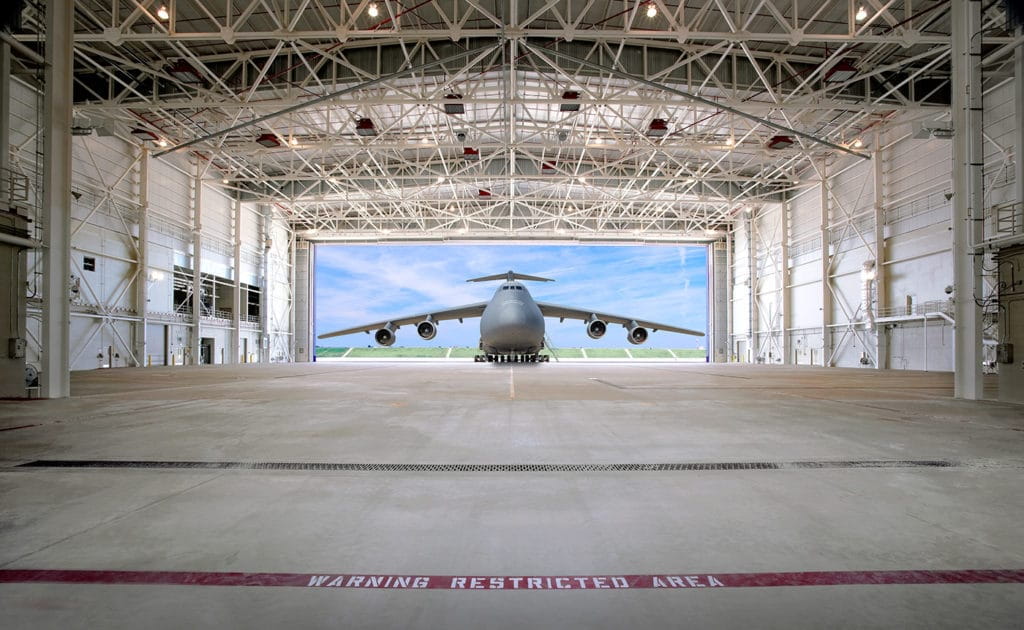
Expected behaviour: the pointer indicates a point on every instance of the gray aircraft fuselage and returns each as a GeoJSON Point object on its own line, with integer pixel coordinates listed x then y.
{"type": "Point", "coordinates": [512, 322]}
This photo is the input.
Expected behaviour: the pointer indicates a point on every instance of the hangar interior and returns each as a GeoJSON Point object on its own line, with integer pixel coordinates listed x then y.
{"type": "Point", "coordinates": [852, 167]}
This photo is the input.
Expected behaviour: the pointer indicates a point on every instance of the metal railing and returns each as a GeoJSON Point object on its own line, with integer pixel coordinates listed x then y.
{"type": "Point", "coordinates": [918, 308]}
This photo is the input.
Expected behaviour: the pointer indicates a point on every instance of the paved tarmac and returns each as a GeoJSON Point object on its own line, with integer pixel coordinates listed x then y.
{"type": "Point", "coordinates": [169, 488]}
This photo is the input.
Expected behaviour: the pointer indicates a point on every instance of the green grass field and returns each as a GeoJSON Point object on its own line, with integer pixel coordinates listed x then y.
{"type": "Point", "coordinates": [607, 353]}
{"type": "Point", "coordinates": [468, 353]}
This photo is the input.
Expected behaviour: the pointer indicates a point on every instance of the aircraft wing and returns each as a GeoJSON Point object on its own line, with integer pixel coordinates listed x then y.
{"type": "Point", "coordinates": [568, 312]}
{"type": "Point", "coordinates": [459, 312]}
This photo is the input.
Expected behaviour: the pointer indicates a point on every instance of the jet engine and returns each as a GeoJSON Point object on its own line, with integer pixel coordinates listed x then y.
{"type": "Point", "coordinates": [385, 336]}
{"type": "Point", "coordinates": [427, 329]}
{"type": "Point", "coordinates": [636, 334]}
{"type": "Point", "coordinates": [596, 328]}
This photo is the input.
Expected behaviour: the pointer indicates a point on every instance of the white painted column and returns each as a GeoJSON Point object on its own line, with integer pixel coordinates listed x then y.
{"type": "Point", "coordinates": [881, 362]}
{"type": "Point", "coordinates": [968, 198]}
{"type": "Point", "coordinates": [292, 243]}
{"type": "Point", "coordinates": [784, 281]}
{"type": "Point", "coordinates": [142, 264]}
{"type": "Point", "coordinates": [752, 264]}
{"type": "Point", "coordinates": [197, 263]}
{"type": "Point", "coordinates": [1018, 104]}
{"type": "Point", "coordinates": [55, 380]}
{"type": "Point", "coordinates": [728, 295]}
{"type": "Point", "coordinates": [826, 273]}
{"type": "Point", "coordinates": [236, 304]}
{"type": "Point", "coordinates": [265, 283]}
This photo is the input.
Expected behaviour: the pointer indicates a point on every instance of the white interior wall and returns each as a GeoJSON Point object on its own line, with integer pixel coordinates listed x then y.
{"type": "Point", "coordinates": [916, 184]}
{"type": "Point", "coordinates": [105, 227]}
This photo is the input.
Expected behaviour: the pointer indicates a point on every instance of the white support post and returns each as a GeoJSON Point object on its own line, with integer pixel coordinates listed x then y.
{"type": "Point", "coordinates": [826, 272]}
{"type": "Point", "coordinates": [1018, 105]}
{"type": "Point", "coordinates": [142, 264]}
{"type": "Point", "coordinates": [728, 295]}
{"type": "Point", "coordinates": [236, 303]}
{"type": "Point", "coordinates": [968, 198]}
{"type": "Point", "coordinates": [55, 380]}
{"type": "Point", "coordinates": [752, 264]}
{"type": "Point", "coordinates": [197, 264]}
{"type": "Point", "coordinates": [265, 283]}
{"type": "Point", "coordinates": [784, 281]}
{"type": "Point", "coordinates": [5, 117]}
{"type": "Point", "coordinates": [881, 361]}
{"type": "Point", "coordinates": [292, 242]}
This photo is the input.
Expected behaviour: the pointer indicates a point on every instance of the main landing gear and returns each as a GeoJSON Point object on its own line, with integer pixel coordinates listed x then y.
{"type": "Point", "coordinates": [512, 358]}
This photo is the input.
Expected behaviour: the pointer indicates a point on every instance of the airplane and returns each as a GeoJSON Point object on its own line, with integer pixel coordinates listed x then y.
{"type": "Point", "coordinates": [512, 323]}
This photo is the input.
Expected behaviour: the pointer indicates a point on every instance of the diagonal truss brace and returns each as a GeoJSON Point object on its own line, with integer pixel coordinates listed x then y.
{"type": "Point", "coordinates": [693, 97]}
{"type": "Point", "coordinates": [326, 97]}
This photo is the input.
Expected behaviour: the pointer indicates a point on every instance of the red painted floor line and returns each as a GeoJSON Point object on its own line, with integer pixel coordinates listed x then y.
{"type": "Point", "coordinates": [524, 582]}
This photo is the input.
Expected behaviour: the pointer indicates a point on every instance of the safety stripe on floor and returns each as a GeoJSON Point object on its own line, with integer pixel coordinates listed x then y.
{"type": "Point", "coordinates": [473, 468]}
{"type": "Point", "coordinates": [688, 580]}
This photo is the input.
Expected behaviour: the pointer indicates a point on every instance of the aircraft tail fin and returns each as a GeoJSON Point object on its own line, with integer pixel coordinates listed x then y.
{"type": "Point", "coordinates": [510, 276]}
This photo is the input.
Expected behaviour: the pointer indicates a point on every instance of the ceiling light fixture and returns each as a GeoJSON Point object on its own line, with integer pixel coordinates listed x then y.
{"type": "Point", "coordinates": [294, 141]}
{"type": "Point", "coordinates": [163, 13]}
{"type": "Point", "coordinates": [652, 10]}
{"type": "Point", "coordinates": [862, 14]}
{"type": "Point", "coordinates": [372, 10]}
{"type": "Point", "coordinates": [729, 141]}
{"type": "Point", "coordinates": [161, 142]}
{"type": "Point", "coordinates": [858, 143]}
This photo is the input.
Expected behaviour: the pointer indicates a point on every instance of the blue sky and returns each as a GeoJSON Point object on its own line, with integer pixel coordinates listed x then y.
{"type": "Point", "coordinates": [361, 284]}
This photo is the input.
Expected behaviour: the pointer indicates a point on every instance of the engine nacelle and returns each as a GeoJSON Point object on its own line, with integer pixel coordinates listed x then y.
{"type": "Point", "coordinates": [427, 329]}
{"type": "Point", "coordinates": [635, 334]}
{"type": "Point", "coordinates": [385, 336]}
{"type": "Point", "coordinates": [596, 328]}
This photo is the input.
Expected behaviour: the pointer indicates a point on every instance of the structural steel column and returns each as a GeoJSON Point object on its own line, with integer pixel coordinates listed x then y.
{"type": "Point", "coordinates": [142, 264]}
{"type": "Point", "coordinates": [968, 198]}
{"type": "Point", "coordinates": [197, 264]}
{"type": "Point", "coordinates": [265, 298]}
{"type": "Point", "coordinates": [5, 118]}
{"type": "Point", "coordinates": [236, 303]}
{"type": "Point", "coordinates": [1018, 107]}
{"type": "Point", "coordinates": [728, 295]}
{"type": "Point", "coordinates": [826, 272]}
{"type": "Point", "coordinates": [292, 242]}
{"type": "Point", "coordinates": [752, 264]}
{"type": "Point", "coordinates": [881, 361]}
{"type": "Point", "coordinates": [784, 281]}
{"type": "Point", "coordinates": [55, 380]}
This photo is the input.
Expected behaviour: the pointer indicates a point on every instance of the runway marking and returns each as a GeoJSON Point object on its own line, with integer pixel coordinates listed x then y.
{"type": "Point", "coordinates": [682, 580]}
{"type": "Point", "coordinates": [511, 384]}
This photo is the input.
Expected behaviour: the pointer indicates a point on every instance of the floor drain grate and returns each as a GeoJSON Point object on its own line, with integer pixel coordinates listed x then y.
{"type": "Point", "coordinates": [475, 468]}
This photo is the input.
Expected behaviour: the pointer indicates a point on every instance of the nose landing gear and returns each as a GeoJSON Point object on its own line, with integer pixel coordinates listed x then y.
{"type": "Point", "coordinates": [512, 358]}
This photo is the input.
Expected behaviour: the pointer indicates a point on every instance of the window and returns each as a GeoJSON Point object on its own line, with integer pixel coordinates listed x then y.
{"type": "Point", "coordinates": [88, 263]}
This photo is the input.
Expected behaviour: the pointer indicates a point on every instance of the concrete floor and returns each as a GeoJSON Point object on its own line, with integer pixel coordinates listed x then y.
{"type": "Point", "coordinates": [968, 515]}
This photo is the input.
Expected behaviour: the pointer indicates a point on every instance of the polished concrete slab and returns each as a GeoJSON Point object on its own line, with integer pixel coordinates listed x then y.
{"type": "Point", "coordinates": [965, 514]}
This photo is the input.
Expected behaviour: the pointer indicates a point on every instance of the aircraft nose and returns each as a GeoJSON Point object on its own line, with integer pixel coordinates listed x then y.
{"type": "Point", "coordinates": [512, 326]}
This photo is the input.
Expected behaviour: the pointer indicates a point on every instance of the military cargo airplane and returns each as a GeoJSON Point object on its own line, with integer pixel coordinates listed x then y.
{"type": "Point", "coordinates": [512, 323]}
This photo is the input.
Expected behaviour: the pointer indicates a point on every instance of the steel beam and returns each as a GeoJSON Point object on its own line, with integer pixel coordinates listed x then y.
{"type": "Point", "coordinates": [236, 302]}
{"type": "Point", "coordinates": [197, 264]}
{"type": "Point", "coordinates": [55, 379]}
{"type": "Point", "coordinates": [755, 317]}
{"type": "Point", "coordinates": [826, 272]}
{"type": "Point", "coordinates": [324, 98]}
{"type": "Point", "coordinates": [881, 282]}
{"type": "Point", "coordinates": [1018, 105]}
{"type": "Point", "coordinates": [694, 98]}
{"type": "Point", "coordinates": [142, 264]}
{"type": "Point", "coordinates": [784, 280]}
{"type": "Point", "coordinates": [968, 198]}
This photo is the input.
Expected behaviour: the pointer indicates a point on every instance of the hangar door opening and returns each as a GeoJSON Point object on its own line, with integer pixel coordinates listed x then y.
{"type": "Point", "coordinates": [356, 285]}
